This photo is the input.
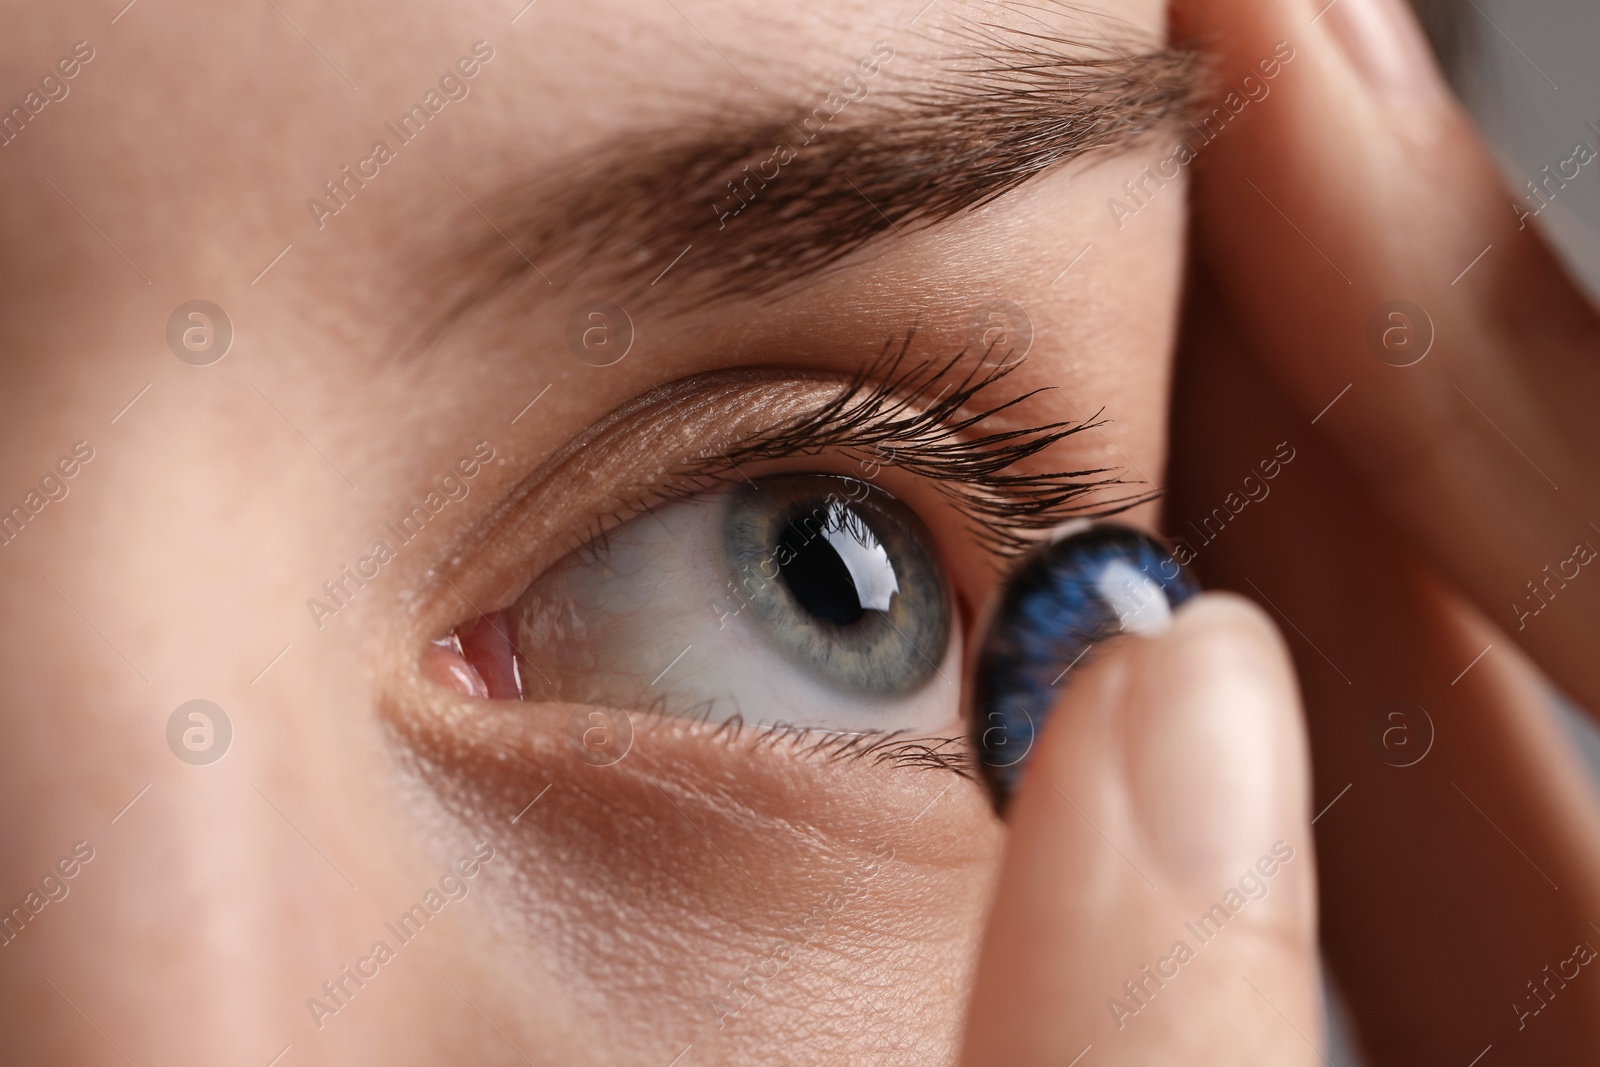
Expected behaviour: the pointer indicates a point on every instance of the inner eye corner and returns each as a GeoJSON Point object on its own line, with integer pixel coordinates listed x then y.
{"type": "Point", "coordinates": [476, 658]}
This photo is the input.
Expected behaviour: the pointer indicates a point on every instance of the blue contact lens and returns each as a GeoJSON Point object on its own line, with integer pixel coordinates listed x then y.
{"type": "Point", "coordinates": [1092, 582]}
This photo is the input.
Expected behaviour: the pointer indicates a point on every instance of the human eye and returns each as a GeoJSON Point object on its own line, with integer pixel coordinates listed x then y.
{"type": "Point", "coordinates": [791, 578]}
{"type": "Point", "coordinates": [812, 600]}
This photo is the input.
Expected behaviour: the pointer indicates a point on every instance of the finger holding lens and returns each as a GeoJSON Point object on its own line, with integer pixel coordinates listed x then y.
{"type": "Point", "coordinates": [1086, 585]}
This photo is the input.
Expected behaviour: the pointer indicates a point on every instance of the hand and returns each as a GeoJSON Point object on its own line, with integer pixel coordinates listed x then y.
{"type": "Point", "coordinates": [1156, 900]}
{"type": "Point", "coordinates": [1400, 543]}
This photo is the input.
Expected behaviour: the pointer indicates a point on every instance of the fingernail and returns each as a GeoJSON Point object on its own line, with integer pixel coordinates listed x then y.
{"type": "Point", "coordinates": [1385, 44]}
{"type": "Point", "coordinates": [1089, 583]}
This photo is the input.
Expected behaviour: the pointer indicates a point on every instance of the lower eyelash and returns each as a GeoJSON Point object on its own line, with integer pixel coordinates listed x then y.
{"type": "Point", "coordinates": [921, 417]}
{"type": "Point", "coordinates": [877, 747]}
{"type": "Point", "coordinates": [932, 753]}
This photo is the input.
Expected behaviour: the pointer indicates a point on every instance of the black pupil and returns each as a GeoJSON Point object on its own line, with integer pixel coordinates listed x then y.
{"type": "Point", "coordinates": [817, 576]}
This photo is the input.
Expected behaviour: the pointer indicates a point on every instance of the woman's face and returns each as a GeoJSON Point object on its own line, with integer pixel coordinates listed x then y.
{"type": "Point", "coordinates": [409, 430]}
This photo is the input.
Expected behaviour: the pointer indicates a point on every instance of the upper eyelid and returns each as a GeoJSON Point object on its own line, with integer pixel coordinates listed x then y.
{"type": "Point", "coordinates": [602, 475]}
{"type": "Point", "coordinates": [611, 471]}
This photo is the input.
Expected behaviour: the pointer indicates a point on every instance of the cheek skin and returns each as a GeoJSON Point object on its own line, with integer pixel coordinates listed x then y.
{"type": "Point", "coordinates": [709, 891]}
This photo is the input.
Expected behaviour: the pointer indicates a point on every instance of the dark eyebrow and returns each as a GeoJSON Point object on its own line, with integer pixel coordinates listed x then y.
{"type": "Point", "coordinates": [740, 208]}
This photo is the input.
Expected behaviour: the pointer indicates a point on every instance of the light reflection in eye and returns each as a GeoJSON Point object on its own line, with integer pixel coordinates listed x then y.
{"type": "Point", "coordinates": [807, 600]}
{"type": "Point", "coordinates": [869, 583]}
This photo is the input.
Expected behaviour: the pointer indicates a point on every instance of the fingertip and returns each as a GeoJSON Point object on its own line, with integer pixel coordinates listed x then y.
{"type": "Point", "coordinates": [1237, 625]}
{"type": "Point", "coordinates": [1214, 741]}
{"type": "Point", "coordinates": [1169, 787]}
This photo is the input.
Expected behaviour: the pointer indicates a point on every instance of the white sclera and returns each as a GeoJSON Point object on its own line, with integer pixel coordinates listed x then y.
{"type": "Point", "coordinates": [653, 618]}
{"type": "Point", "coordinates": [1139, 601]}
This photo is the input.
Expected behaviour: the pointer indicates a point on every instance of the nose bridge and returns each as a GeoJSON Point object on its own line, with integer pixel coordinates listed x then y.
{"type": "Point", "coordinates": [216, 895]}
{"type": "Point", "coordinates": [187, 917]}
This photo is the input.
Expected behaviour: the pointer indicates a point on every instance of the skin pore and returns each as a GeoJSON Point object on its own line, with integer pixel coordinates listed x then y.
{"type": "Point", "coordinates": [844, 897]}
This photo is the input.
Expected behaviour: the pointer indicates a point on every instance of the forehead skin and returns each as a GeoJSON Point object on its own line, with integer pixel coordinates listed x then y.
{"type": "Point", "coordinates": [178, 565]}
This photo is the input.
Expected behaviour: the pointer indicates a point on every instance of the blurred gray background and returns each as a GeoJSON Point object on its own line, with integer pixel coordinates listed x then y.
{"type": "Point", "coordinates": [1530, 71]}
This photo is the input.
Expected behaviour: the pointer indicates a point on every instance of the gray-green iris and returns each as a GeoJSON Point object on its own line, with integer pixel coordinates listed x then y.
{"type": "Point", "coordinates": [840, 575]}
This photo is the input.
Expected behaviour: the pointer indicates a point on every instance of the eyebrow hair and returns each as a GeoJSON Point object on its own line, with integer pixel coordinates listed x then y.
{"type": "Point", "coordinates": [698, 211]}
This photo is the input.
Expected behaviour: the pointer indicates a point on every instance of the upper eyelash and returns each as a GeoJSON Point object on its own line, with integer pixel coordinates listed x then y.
{"type": "Point", "coordinates": [920, 417]}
